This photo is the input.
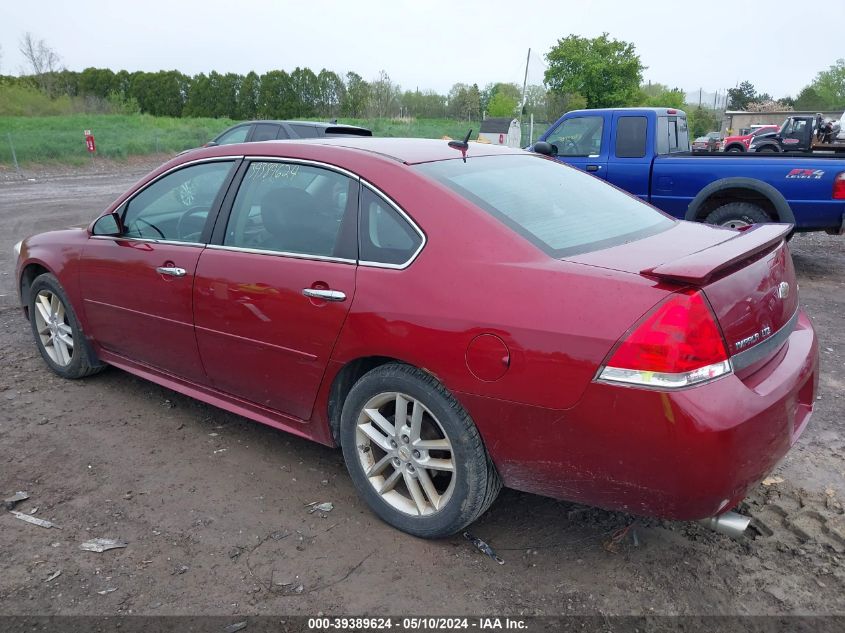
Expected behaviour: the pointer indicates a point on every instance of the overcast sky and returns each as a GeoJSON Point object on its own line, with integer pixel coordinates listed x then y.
{"type": "Point", "coordinates": [429, 44]}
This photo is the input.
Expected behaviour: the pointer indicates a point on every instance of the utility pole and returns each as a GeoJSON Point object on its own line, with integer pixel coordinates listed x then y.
{"type": "Point", "coordinates": [524, 84]}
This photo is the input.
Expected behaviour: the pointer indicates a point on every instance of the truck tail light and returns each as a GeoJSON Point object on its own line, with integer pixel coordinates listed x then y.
{"type": "Point", "coordinates": [677, 345]}
{"type": "Point", "coordinates": [839, 187]}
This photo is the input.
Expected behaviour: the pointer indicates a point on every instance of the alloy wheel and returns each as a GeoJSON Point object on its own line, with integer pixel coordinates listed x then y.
{"type": "Point", "coordinates": [405, 454]}
{"type": "Point", "coordinates": [53, 328]}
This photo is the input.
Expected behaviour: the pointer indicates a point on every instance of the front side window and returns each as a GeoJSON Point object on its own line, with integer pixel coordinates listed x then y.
{"type": "Point", "coordinates": [176, 207]}
{"type": "Point", "coordinates": [385, 236]}
{"type": "Point", "coordinates": [296, 209]}
{"type": "Point", "coordinates": [579, 136]}
{"type": "Point", "coordinates": [236, 135]}
{"type": "Point", "coordinates": [559, 209]}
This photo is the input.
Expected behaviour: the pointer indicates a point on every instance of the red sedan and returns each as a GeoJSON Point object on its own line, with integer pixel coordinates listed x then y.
{"type": "Point", "coordinates": [454, 320]}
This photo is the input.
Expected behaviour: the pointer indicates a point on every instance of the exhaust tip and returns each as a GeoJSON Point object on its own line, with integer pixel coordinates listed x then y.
{"type": "Point", "coordinates": [730, 524]}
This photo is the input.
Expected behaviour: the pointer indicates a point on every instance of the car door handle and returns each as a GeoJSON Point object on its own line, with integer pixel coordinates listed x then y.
{"type": "Point", "coordinates": [593, 167]}
{"type": "Point", "coordinates": [325, 295]}
{"type": "Point", "coordinates": [173, 271]}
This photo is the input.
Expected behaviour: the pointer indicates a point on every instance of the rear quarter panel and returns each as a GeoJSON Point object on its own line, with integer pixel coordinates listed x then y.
{"type": "Point", "coordinates": [475, 276]}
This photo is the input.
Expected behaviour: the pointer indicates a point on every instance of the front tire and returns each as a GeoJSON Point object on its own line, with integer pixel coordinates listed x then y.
{"type": "Point", "coordinates": [414, 454]}
{"type": "Point", "coordinates": [736, 215]}
{"type": "Point", "coordinates": [57, 331]}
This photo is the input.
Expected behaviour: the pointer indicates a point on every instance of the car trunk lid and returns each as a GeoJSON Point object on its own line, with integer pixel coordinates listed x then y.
{"type": "Point", "coordinates": [747, 276]}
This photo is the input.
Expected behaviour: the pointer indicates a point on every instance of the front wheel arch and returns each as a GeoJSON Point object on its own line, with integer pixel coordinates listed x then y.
{"type": "Point", "coordinates": [29, 274]}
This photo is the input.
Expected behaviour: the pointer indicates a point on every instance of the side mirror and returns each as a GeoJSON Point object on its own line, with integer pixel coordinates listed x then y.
{"type": "Point", "coordinates": [109, 225]}
{"type": "Point", "coordinates": [547, 149]}
{"type": "Point", "coordinates": [211, 144]}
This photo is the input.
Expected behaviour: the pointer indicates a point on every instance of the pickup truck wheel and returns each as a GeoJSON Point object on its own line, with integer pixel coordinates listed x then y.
{"type": "Point", "coordinates": [735, 149]}
{"type": "Point", "coordinates": [767, 149]}
{"type": "Point", "coordinates": [736, 215]}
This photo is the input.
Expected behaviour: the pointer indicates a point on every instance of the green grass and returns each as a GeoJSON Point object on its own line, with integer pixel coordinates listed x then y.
{"type": "Point", "coordinates": [60, 138]}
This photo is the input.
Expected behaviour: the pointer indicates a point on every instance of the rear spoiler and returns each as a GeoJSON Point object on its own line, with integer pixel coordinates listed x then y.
{"type": "Point", "coordinates": [699, 267]}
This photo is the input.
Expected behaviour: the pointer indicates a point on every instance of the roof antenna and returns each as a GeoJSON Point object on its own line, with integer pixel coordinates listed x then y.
{"type": "Point", "coordinates": [462, 145]}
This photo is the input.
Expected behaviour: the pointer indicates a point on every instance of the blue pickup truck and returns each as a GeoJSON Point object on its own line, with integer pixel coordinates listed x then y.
{"type": "Point", "coordinates": [645, 151]}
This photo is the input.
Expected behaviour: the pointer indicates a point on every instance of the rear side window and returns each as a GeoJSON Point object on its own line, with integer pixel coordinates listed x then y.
{"type": "Point", "coordinates": [630, 137]}
{"type": "Point", "coordinates": [672, 135]}
{"type": "Point", "coordinates": [294, 209]}
{"type": "Point", "coordinates": [385, 236]}
{"type": "Point", "coordinates": [305, 131]}
{"type": "Point", "coordinates": [265, 132]}
{"type": "Point", "coordinates": [559, 209]}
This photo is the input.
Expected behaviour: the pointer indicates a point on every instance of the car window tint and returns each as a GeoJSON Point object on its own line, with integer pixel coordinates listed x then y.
{"type": "Point", "coordinates": [236, 135]}
{"type": "Point", "coordinates": [385, 236]}
{"type": "Point", "coordinates": [292, 208]}
{"type": "Point", "coordinates": [561, 210]}
{"type": "Point", "coordinates": [282, 133]}
{"type": "Point", "coordinates": [305, 131]}
{"type": "Point", "coordinates": [631, 136]}
{"type": "Point", "coordinates": [578, 136]}
{"type": "Point", "coordinates": [265, 132]}
{"type": "Point", "coordinates": [176, 206]}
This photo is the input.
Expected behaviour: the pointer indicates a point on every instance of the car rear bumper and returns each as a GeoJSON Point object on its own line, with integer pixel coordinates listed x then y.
{"type": "Point", "coordinates": [684, 455]}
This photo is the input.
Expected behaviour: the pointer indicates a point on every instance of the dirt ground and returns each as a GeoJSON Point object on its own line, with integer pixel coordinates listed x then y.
{"type": "Point", "coordinates": [213, 506]}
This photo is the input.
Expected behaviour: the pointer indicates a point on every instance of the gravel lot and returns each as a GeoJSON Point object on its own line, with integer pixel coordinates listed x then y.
{"type": "Point", "coordinates": [212, 506]}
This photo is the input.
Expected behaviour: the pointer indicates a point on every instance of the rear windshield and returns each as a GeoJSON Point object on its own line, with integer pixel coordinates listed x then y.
{"type": "Point", "coordinates": [561, 210]}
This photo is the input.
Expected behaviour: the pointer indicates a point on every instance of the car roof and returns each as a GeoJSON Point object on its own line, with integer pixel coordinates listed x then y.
{"type": "Point", "coordinates": [635, 110]}
{"type": "Point", "coordinates": [404, 150]}
{"type": "Point", "coordinates": [322, 124]}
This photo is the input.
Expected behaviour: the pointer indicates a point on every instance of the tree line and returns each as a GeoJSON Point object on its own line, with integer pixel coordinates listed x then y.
{"type": "Point", "coordinates": [278, 94]}
{"type": "Point", "coordinates": [582, 72]}
{"type": "Point", "coordinates": [601, 73]}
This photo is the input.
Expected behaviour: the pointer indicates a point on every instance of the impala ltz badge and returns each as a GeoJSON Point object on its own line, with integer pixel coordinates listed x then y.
{"type": "Point", "coordinates": [750, 340]}
{"type": "Point", "coordinates": [783, 290]}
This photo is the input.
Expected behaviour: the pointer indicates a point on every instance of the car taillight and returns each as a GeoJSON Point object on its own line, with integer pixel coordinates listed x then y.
{"type": "Point", "coordinates": [839, 187]}
{"type": "Point", "coordinates": [679, 344]}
